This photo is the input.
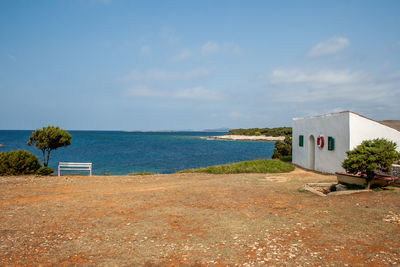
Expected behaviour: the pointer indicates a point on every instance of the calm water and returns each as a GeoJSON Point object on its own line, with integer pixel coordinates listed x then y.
{"type": "Point", "coordinates": [116, 153]}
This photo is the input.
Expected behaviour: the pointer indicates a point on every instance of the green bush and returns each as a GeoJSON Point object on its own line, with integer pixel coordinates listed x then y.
{"type": "Point", "coordinates": [18, 163]}
{"type": "Point", "coordinates": [44, 171]}
{"type": "Point", "coordinates": [286, 158]}
{"type": "Point", "coordinates": [371, 156]}
{"type": "Point", "coordinates": [283, 149]}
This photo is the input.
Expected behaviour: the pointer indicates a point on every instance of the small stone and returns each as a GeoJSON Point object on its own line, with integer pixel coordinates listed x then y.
{"type": "Point", "coordinates": [341, 187]}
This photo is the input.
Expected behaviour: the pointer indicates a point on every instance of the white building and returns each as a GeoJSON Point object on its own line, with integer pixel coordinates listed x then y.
{"type": "Point", "coordinates": [320, 142]}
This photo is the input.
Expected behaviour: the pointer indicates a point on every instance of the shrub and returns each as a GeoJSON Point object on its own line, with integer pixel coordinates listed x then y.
{"type": "Point", "coordinates": [283, 149]}
{"type": "Point", "coordinates": [18, 162]}
{"type": "Point", "coordinates": [286, 158]}
{"type": "Point", "coordinates": [257, 133]}
{"type": "Point", "coordinates": [371, 156]}
{"type": "Point", "coordinates": [44, 171]}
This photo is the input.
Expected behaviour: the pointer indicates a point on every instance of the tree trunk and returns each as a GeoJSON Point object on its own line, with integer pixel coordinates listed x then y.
{"type": "Point", "coordinates": [370, 177]}
{"type": "Point", "coordinates": [44, 158]}
{"type": "Point", "coordinates": [48, 156]}
{"type": "Point", "coordinates": [369, 182]}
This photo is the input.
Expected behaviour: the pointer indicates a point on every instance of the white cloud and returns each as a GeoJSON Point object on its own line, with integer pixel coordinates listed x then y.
{"type": "Point", "coordinates": [368, 93]}
{"type": "Point", "coordinates": [234, 48]}
{"type": "Point", "coordinates": [330, 46]}
{"type": "Point", "coordinates": [209, 47]}
{"type": "Point", "coordinates": [213, 47]}
{"type": "Point", "coordinates": [158, 74]}
{"type": "Point", "coordinates": [332, 88]}
{"type": "Point", "coordinates": [315, 77]}
{"type": "Point", "coordinates": [145, 49]}
{"type": "Point", "coordinates": [183, 55]}
{"type": "Point", "coordinates": [145, 92]}
{"type": "Point", "coordinates": [199, 93]}
{"type": "Point", "coordinates": [395, 75]}
{"type": "Point", "coordinates": [195, 93]}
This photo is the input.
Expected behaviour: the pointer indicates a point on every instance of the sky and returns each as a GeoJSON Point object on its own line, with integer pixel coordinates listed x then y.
{"type": "Point", "coordinates": [193, 65]}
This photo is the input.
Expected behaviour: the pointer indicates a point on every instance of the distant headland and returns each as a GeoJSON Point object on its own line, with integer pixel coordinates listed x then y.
{"type": "Point", "coordinates": [247, 138]}
{"type": "Point", "coordinates": [256, 134]}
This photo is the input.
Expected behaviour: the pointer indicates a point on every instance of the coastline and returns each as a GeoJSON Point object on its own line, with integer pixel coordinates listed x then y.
{"type": "Point", "coordinates": [247, 138]}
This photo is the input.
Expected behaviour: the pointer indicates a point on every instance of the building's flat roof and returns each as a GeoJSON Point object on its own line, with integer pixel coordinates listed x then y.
{"type": "Point", "coordinates": [394, 124]}
{"type": "Point", "coordinates": [325, 115]}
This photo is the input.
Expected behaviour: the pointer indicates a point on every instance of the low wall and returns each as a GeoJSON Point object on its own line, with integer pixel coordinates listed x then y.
{"type": "Point", "coordinates": [396, 172]}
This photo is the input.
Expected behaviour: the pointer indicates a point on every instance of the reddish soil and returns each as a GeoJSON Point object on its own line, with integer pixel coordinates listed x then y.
{"type": "Point", "coordinates": [194, 220]}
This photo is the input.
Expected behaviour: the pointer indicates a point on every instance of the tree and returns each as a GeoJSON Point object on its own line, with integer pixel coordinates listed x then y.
{"type": "Point", "coordinates": [49, 138]}
{"type": "Point", "coordinates": [371, 156]}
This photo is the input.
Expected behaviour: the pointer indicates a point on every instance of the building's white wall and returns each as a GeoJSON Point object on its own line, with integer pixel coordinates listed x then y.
{"type": "Point", "coordinates": [365, 129]}
{"type": "Point", "coordinates": [335, 125]}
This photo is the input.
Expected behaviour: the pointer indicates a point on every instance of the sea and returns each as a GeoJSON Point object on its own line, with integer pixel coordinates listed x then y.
{"type": "Point", "coordinates": [121, 153]}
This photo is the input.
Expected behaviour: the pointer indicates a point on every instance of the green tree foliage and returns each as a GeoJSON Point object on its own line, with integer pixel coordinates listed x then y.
{"type": "Point", "coordinates": [280, 131]}
{"type": "Point", "coordinates": [371, 156]}
{"type": "Point", "coordinates": [49, 138]}
{"type": "Point", "coordinates": [18, 163]}
{"type": "Point", "coordinates": [283, 149]}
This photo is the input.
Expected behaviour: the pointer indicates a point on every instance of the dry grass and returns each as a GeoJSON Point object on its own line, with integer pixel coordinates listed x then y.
{"type": "Point", "coordinates": [193, 219]}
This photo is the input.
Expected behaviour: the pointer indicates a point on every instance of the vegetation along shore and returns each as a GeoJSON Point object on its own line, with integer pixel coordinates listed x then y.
{"type": "Point", "coordinates": [247, 138]}
{"type": "Point", "coordinates": [256, 134]}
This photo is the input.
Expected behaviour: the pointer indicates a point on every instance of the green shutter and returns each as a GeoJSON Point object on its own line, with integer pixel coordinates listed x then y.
{"type": "Point", "coordinates": [301, 140]}
{"type": "Point", "coordinates": [331, 143]}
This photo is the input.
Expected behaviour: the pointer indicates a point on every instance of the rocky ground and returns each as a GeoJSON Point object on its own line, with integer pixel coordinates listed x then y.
{"type": "Point", "coordinates": [194, 220]}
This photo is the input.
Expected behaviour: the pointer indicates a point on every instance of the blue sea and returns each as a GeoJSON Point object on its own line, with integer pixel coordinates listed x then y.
{"type": "Point", "coordinates": [119, 153]}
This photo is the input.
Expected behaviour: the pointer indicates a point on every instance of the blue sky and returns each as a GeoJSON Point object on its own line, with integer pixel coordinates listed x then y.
{"type": "Point", "coordinates": [173, 65]}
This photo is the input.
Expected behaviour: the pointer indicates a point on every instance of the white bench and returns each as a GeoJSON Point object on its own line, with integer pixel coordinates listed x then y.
{"type": "Point", "coordinates": [74, 166]}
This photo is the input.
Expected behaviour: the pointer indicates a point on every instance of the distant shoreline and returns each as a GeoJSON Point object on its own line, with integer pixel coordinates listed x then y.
{"type": "Point", "coordinates": [247, 138]}
{"type": "Point", "coordinates": [178, 131]}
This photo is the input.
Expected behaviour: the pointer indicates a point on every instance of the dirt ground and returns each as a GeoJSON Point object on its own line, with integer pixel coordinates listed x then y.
{"type": "Point", "coordinates": [194, 220]}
